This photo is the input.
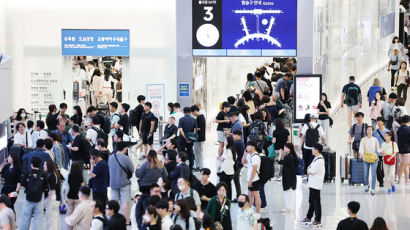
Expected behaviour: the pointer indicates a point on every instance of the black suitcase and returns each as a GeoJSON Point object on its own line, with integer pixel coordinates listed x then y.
{"type": "Point", "coordinates": [103, 109]}
{"type": "Point", "coordinates": [76, 91]}
{"type": "Point", "coordinates": [330, 164]}
{"type": "Point", "coordinates": [356, 171]}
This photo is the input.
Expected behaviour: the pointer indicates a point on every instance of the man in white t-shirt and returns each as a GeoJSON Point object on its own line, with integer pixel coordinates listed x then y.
{"type": "Point", "coordinates": [92, 134]}
{"type": "Point", "coordinates": [177, 113]}
{"type": "Point", "coordinates": [312, 132]}
{"type": "Point", "coordinates": [316, 172]}
{"type": "Point", "coordinates": [253, 160]}
{"type": "Point", "coordinates": [246, 218]}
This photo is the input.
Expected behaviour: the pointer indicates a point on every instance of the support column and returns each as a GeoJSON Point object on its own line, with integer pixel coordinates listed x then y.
{"type": "Point", "coordinates": [305, 35]}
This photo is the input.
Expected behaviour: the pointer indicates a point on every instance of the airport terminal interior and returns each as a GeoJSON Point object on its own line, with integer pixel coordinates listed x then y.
{"type": "Point", "coordinates": [204, 114]}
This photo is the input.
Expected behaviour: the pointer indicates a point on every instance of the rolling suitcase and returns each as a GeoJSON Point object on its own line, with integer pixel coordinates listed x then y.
{"type": "Point", "coordinates": [76, 91]}
{"type": "Point", "coordinates": [103, 109]}
{"type": "Point", "coordinates": [356, 171]}
{"type": "Point", "coordinates": [344, 167]}
{"type": "Point", "coordinates": [330, 164]}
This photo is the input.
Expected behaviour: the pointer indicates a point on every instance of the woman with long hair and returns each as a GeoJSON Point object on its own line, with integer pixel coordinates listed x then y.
{"type": "Point", "coordinates": [21, 116]}
{"type": "Point", "coordinates": [227, 161]}
{"type": "Point", "coordinates": [107, 91]}
{"type": "Point", "coordinates": [183, 215]}
{"type": "Point", "coordinates": [377, 106]}
{"type": "Point", "coordinates": [96, 85]}
{"type": "Point", "coordinates": [369, 147]}
{"type": "Point", "coordinates": [289, 160]}
{"type": "Point", "coordinates": [396, 44]}
{"type": "Point", "coordinates": [75, 181]}
{"type": "Point", "coordinates": [11, 173]}
{"type": "Point", "coordinates": [77, 117]}
{"type": "Point", "coordinates": [323, 110]}
{"type": "Point", "coordinates": [154, 219]}
{"type": "Point", "coordinates": [52, 109]}
{"type": "Point", "coordinates": [150, 172]}
{"type": "Point", "coordinates": [219, 207]}
{"type": "Point", "coordinates": [52, 195]}
{"type": "Point", "coordinates": [379, 224]}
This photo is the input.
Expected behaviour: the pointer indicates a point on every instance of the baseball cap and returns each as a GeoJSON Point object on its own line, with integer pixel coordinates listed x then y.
{"type": "Point", "coordinates": [313, 115]}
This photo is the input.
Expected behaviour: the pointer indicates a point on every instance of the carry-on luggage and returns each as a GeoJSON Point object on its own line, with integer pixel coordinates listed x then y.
{"type": "Point", "coordinates": [76, 91]}
{"type": "Point", "coordinates": [356, 171]}
{"type": "Point", "coordinates": [344, 167]}
{"type": "Point", "coordinates": [330, 164]}
{"type": "Point", "coordinates": [103, 109]}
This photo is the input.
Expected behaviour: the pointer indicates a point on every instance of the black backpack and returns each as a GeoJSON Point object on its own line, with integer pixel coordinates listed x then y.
{"type": "Point", "coordinates": [35, 187]}
{"type": "Point", "coordinates": [105, 123]}
{"type": "Point", "coordinates": [312, 135]}
{"type": "Point", "coordinates": [189, 200]}
{"type": "Point", "coordinates": [101, 134]}
{"type": "Point", "coordinates": [85, 149]}
{"type": "Point", "coordinates": [352, 96]}
{"type": "Point", "coordinates": [133, 117]}
{"type": "Point", "coordinates": [266, 170]}
{"type": "Point", "coordinates": [102, 219]}
{"type": "Point", "coordinates": [256, 132]}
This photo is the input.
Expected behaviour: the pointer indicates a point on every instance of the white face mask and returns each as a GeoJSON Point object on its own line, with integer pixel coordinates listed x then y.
{"type": "Point", "coordinates": [23, 115]}
{"type": "Point", "coordinates": [181, 187]}
{"type": "Point", "coordinates": [147, 218]}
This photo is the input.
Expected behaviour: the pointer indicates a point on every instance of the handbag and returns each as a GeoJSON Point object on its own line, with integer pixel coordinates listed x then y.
{"type": "Point", "coordinates": [368, 157]}
{"type": "Point", "coordinates": [393, 159]}
{"type": "Point", "coordinates": [192, 136]}
{"type": "Point", "coordinates": [272, 153]}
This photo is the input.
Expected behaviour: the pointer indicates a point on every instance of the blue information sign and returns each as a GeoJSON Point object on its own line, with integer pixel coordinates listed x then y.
{"type": "Point", "coordinates": [184, 90]}
{"type": "Point", "coordinates": [95, 42]}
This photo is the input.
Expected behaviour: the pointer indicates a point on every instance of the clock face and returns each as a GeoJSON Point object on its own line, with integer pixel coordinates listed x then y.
{"type": "Point", "coordinates": [207, 35]}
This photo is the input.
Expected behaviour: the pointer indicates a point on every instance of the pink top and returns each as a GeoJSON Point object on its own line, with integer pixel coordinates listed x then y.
{"type": "Point", "coordinates": [376, 110]}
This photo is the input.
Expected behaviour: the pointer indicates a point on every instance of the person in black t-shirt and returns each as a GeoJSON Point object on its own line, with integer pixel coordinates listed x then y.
{"type": "Point", "coordinates": [205, 188]}
{"type": "Point", "coordinates": [231, 100]}
{"type": "Point", "coordinates": [115, 219]}
{"type": "Point", "coordinates": [124, 123]}
{"type": "Point", "coordinates": [352, 222]}
{"type": "Point", "coordinates": [223, 123]}
{"type": "Point", "coordinates": [201, 127]}
{"type": "Point", "coordinates": [280, 135]}
{"type": "Point", "coordinates": [240, 149]}
{"type": "Point", "coordinates": [170, 130]}
{"type": "Point", "coordinates": [140, 111]}
{"type": "Point", "coordinates": [146, 130]}
{"type": "Point", "coordinates": [324, 111]}
{"type": "Point", "coordinates": [102, 149]}
{"type": "Point", "coordinates": [75, 147]}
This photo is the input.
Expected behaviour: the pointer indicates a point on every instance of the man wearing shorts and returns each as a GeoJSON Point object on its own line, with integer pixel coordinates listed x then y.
{"type": "Point", "coordinates": [253, 160]}
{"type": "Point", "coordinates": [403, 134]}
{"type": "Point", "coordinates": [121, 169]}
{"type": "Point", "coordinates": [146, 130]}
{"type": "Point", "coordinates": [352, 97]}
{"type": "Point", "coordinates": [223, 124]}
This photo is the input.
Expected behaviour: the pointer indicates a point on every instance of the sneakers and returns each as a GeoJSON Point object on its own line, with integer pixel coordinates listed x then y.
{"type": "Point", "coordinates": [366, 190]}
{"type": "Point", "coordinates": [316, 224]}
{"type": "Point", "coordinates": [372, 192]}
{"type": "Point", "coordinates": [305, 221]}
{"type": "Point", "coordinates": [389, 192]}
{"type": "Point", "coordinates": [393, 188]}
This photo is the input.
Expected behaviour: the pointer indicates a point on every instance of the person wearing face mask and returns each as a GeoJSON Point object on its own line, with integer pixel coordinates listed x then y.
{"type": "Point", "coordinates": [116, 221]}
{"type": "Point", "coordinates": [153, 219]}
{"type": "Point", "coordinates": [150, 171]}
{"type": "Point", "coordinates": [189, 194]}
{"type": "Point", "coordinates": [246, 218]}
{"type": "Point", "coordinates": [219, 207]}
{"type": "Point", "coordinates": [144, 202]}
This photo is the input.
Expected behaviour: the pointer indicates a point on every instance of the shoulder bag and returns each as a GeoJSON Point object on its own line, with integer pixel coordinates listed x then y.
{"type": "Point", "coordinates": [128, 172]}
{"type": "Point", "coordinates": [368, 157]}
{"type": "Point", "coordinates": [387, 160]}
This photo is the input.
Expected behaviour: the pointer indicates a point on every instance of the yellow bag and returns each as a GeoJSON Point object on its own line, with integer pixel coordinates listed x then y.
{"type": "Point", "coordinates": [368, 157]}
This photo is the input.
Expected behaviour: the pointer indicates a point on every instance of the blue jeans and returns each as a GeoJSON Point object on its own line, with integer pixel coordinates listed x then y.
{"type": "Point", "coordinates": [262, 194]}
{"type": "Point", "coordinates": [30, 208]}
{"type": "Point", "coordinates": [366, 173]}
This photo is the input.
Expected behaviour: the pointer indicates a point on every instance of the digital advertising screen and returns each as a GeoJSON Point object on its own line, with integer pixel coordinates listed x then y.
{"type": "Point", "coordinates": [387, 25]}
{"type": "Point", "coordinates": [307, 95]}
{"type": "Point", "coordinates": [244, 28]}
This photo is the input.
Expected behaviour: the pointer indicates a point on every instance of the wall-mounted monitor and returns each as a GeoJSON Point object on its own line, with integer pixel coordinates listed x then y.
{"type": "Point", "coordinates": [244, 28]}
{"type": "Point", "coordinates": [387, 25]}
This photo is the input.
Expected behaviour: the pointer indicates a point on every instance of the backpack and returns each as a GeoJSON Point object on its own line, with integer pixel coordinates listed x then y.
{"type": "Point", "coordinates": [189, 200]}
{"type": "Point", "coordinates": [35, 189]}
{"type": "Point", "coordinates": [105, 123]}
{"type": "Point", "coordinates": [102, 219]}
{"type": "Point", "coordinates": [352, 95]}
{"type": "Point", "coordinates": [372, 92]}
{"type": "Point", "coordinates": [300, 167]}
{"type": "Point", "coordinates": [397, 114]}
{"type": "Point", "coordinates": [156, 123]}
{"type": "Point", "coordinates": [256, 132]}
{"type": "Point", "coordinates": [312, 135]}
{"type": "Point", "coordinates": [266, 169]}
{"type": "Point", "coordinates": [133, 117]}
{"type": "Point", "coordinates": [101, 134]}
{"type": "Point", "coordinates": [85, 149]}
